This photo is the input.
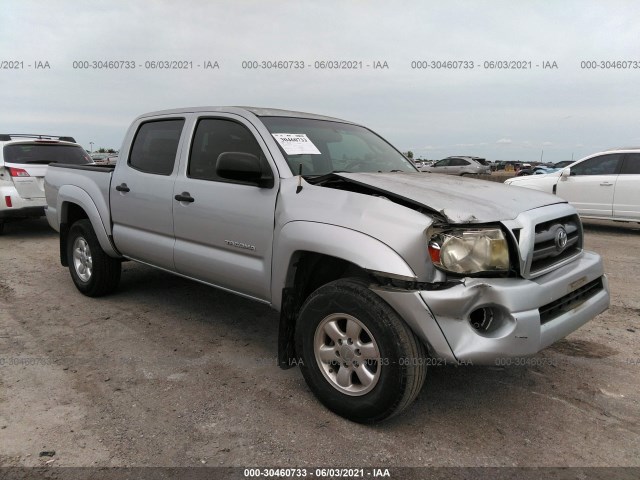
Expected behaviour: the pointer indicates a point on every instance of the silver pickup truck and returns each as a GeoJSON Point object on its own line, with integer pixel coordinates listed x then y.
{"type": "Point", "coordinates": [377, 270]}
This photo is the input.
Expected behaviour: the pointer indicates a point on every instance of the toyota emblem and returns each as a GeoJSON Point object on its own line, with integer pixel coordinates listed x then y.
{"type": "Point", "coordinates": [561, 239]}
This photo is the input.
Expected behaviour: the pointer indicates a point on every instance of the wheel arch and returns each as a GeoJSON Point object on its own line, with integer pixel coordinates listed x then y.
{"type": "Point", "coordinates": [309, 255]}
{"type": "Point", "coordinates": [298, 240]}
{"type": "Point", "coordinates": [74, 204]}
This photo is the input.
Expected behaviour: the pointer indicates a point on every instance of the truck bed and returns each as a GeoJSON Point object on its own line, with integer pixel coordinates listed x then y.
{"type": "Point", "coordinates": [92, 182]}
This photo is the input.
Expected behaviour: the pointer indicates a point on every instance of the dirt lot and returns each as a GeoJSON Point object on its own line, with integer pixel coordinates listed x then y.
{"type": "Point", "coordinates": [172, 373]}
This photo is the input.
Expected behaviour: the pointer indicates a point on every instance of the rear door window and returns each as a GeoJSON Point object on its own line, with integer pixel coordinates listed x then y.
{"type": "Point", "coordinates": [458, 162]}
{"type": "Point", "coordinates": [156, 145]}
{"type": "Point", "coordinates": [44, 154]}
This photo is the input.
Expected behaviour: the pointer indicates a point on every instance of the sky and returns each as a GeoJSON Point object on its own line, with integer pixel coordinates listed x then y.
{"type": "Point", "coordinates": [558, 113]}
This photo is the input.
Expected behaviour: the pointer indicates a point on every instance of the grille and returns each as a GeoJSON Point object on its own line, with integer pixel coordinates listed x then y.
{"type": "Point", "coordinates": [546, 251]}
{"type": "Point", "coordinates": [570, 301]}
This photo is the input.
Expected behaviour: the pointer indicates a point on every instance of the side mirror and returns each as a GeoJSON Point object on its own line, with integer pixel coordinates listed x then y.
{"type": "Point", "coordinates": [243, 167]}
{"type": "Point", "coordinates": [564, 174]}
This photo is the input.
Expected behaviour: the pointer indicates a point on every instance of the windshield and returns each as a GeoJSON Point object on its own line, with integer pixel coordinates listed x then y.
{"type": "Point", "coordinates": [323, 147]}
{"type": "Point", "coordinates": [44, 154]}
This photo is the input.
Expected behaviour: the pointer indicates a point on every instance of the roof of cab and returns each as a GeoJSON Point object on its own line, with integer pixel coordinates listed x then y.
{"type": "Point", "coordinates": [257, 111]}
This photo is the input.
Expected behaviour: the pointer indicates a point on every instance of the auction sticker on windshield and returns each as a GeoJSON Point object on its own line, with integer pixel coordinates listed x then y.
{"type": "Point", "coordinates": [296, 144]}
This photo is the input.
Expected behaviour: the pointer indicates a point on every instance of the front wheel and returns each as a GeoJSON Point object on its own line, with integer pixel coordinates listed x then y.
{"type": "Point", "coordinates": [358, 356]}
{"type": "Point", "coordinates": [93, 271]}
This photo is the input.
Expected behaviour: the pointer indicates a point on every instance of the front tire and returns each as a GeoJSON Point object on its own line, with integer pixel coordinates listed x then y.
{"type": "Point", "coordinates": [93, 271]}
{"type": "Point", "coordinates": [358, 356]}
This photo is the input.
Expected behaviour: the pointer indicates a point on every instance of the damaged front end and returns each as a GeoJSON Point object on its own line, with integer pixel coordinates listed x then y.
{"type": "Point", "coordinates": [503, 288]}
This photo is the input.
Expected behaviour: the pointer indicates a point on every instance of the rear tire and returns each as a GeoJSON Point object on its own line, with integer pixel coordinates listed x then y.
{"type": "Point", "coordinates": [358, 356]}
{"type": "Point", "coordinates": [1, 227]}
{"type": "Point", "coordinates": [93, 271]}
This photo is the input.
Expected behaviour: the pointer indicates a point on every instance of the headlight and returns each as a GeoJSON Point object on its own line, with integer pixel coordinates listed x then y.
{"type": "Point", "coordinates": [470, 251]}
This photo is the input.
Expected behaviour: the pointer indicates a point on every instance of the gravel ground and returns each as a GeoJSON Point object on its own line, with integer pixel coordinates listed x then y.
{"type": "Point", "coordinates": [167, 372]}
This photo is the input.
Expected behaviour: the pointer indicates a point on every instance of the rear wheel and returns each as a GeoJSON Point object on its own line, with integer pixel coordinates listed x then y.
{"type": "Point", "coordinates": [1, 227]}
{"type": "Point", "coordinates": [359, 357]}
{"type": "Point", "coordinates": [93, 271]}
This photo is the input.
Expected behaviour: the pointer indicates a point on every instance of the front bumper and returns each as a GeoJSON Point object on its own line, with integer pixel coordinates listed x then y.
{"type": "Point", "coordinates": [441, 318]}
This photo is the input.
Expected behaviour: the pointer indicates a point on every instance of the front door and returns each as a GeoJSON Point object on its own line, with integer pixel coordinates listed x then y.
{"type": "Point", "coordinates": [224, 230]}
{"type": "Point", "coordinates": [591, 185]}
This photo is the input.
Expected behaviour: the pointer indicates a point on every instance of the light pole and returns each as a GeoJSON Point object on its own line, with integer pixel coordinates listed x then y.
{"type": "Point", "coordinates": [91, 145]}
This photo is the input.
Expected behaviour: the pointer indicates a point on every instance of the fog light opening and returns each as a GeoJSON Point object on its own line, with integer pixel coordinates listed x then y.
{"type": "Point", "coordinates": [482, 319]}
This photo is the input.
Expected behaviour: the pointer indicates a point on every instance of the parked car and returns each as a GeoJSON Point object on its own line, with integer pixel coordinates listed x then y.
{"type": "Point", "coordinates": [562, 164]}
{"type": "Point", "coordinates": [537, 170]}
{"type": "Point", "coordinates": [508, 165]}
{"type": "Point", "coordinates": [604, 185]}
{"type": "Point", "coordinates": [424, 165]}
{"type": "Point", "coordinates": [100, 158]}
{"type": "Point", "coordinates": [460, 166]}
{"type": "Point", "coordinates": [23, 163]}
{"type": "Point", "coordinates": [544, 168]}
{"type": "Point", "coordinates": [376, 269]}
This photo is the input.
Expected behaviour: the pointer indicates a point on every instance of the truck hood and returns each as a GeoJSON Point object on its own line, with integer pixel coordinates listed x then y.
{"type": "Point", "coordinates": [458, 199]}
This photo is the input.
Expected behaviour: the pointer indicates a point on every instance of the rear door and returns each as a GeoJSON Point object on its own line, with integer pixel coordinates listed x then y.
{"type": "Point", "coordinates": [141, 193]}
{"type": "Point", "coordinates": [26, 163]}
{"type": "Point", "coordinates": [224, 233]}
{"type": "Point", "coordinates": [458, 166]}
{"type": "Point", "coordinates": [591, 185]}
{"type": "Point", "coordinates": [626, 199]}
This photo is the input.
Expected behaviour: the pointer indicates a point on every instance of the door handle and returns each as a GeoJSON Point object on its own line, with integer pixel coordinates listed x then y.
{"type": "Point", "coordinates": [123, 188]}
{"type": "Point", "coordinates": [606, 184]}
{"type": "Point", "coordinates": [184, 197]}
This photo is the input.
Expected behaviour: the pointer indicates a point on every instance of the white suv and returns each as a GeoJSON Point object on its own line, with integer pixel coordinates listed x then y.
{"type": "Point", "coordinates": [23, 163]}
{"type": "Point", "coordinates": [605, 185]}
